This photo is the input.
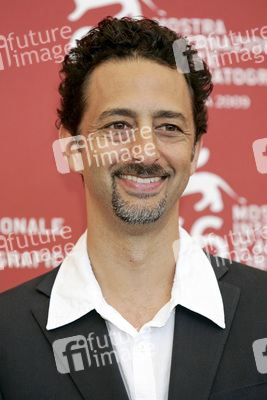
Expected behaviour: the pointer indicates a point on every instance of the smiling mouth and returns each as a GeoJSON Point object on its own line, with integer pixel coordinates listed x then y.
{"type": "Point", "coordinates": [140, 179]}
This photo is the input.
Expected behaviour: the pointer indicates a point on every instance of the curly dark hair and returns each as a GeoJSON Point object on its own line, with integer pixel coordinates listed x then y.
{"type": "Point", "coordinates": [126, 38]}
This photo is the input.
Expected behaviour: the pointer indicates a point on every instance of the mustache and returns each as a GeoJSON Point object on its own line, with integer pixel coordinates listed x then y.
{"type": "Point", "coordinates": [139, 169]}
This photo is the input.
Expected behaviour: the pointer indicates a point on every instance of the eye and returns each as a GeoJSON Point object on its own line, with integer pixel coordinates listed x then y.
{"type": "Point", "coordinates": [117, 126]}
{"type": "Point", "coordinates": [118, 131]}
{"type": "Point", "coordinates": [171, 128]}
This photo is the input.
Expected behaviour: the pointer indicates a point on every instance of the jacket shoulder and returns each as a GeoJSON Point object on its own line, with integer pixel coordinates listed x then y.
{"type": "Point", "coordinates": [237, 273]}
{"type": "Point", "coordinates": [252, 283]}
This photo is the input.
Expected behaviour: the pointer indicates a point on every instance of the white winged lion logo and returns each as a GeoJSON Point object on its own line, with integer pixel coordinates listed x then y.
{"type": "Point", "coordinates": [129, 8]}
{"type": "Point", "coordinates": [210, 186]}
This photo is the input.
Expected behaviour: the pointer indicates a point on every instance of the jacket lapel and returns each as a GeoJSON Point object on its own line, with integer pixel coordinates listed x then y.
{"type": "Point", "coordinates": [89, 358]}
{"type": "Point", "coordinates": [198, 345]}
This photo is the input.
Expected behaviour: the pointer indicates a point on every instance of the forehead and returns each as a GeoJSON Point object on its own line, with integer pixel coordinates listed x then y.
{"type": "Point", "coordinates": [140, 84]}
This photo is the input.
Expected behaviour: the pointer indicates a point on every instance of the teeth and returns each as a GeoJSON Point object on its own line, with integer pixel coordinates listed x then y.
{"type": "Point", "coordinates": [141, 180]}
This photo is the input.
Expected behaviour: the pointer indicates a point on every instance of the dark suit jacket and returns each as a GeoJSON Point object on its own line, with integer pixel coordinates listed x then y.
{"type": "Point", "coordinates": [207, 362]}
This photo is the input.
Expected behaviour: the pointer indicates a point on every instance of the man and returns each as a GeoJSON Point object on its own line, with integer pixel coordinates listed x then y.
{"type": "Point", "coordinates": [126, 316]}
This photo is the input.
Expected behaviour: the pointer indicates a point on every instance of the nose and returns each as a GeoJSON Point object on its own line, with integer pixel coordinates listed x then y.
{"type": "Point", "coordinates": [145, 149]}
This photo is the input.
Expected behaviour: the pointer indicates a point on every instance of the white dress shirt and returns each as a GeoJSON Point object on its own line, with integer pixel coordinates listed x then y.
{"type": "Point", "coordinates": [144, 357]}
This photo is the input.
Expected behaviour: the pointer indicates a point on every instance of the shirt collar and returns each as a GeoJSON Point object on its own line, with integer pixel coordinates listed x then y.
{"type": "Point", "coordinates": [76, 291]}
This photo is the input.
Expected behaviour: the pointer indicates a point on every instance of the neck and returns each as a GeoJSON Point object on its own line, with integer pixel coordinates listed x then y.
{"type": "Point", "coordinates": [134, 265]}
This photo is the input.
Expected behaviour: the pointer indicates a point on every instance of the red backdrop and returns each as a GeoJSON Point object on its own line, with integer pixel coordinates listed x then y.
{"type": "Point", "coordinates": [226, 199]}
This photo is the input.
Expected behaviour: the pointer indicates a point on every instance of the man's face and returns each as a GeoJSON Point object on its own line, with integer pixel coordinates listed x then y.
{"type": "Point", "coordinates": [140, 131]}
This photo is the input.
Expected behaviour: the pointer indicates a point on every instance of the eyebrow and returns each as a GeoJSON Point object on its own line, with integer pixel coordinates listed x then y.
{"type": "Point", "coordinates": [126, 112]}
{"type": "Point", "coordinates": [171, 114]}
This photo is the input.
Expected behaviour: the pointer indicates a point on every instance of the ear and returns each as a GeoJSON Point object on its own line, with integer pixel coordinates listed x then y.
{"type": "Point", "coordinates": [196, 151]}
{"type": "Point", "coordinates": [69, 148]}
{"type": "Point", "coordinates": [64, 133]}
